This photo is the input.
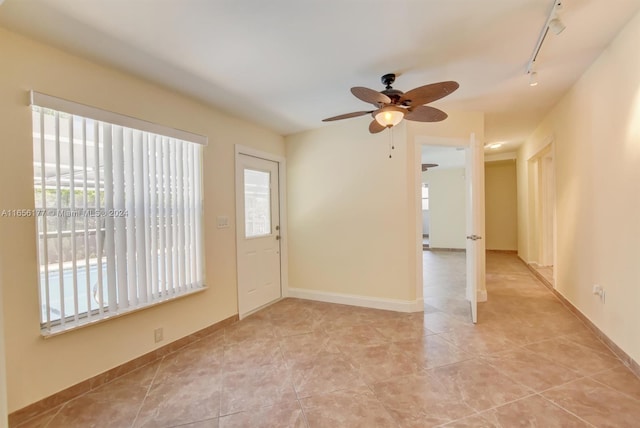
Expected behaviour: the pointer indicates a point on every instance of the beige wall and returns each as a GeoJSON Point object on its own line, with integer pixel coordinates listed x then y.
{"type": "Point", "coordinates": [447, 207]}
{"type": "Point", "coordinates": [354, 214]}
{"type": "Point", "coordinates": [501, 205]}
{"type": "Point", "coordinates": [37, 367]}
{"type": "Point", "coordinates": [3, 371]}
{"type": "Point", "coordinates": [596, 133]}
{"type": "Point", "coordinates": [347, 212]}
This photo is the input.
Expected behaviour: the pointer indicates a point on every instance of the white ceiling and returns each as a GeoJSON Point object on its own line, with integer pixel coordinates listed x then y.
{"type": "Point", "coordinates": [288, 64]}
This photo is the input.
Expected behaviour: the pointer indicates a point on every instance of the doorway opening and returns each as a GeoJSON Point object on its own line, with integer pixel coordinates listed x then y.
{"type": "Point", "coordinates": [446, 272]}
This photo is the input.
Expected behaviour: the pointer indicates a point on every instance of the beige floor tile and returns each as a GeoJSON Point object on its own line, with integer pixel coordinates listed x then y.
{"type": "Point", "coordinates": [440, 322]}
{"type": "Point", "coordinates": [589, 340]}
{"type": "Point", "coordinates": [340, 317]}
{"type": "Point", "coordinates": [479, 385]}
{"type": "Point", "coordinates": [380, 362]}
{"type": "Point", "coordinates": [570, 354]}
{"type": "Point", "coordinates": [621, 379]}
{"type": "Point", "coordinates": [173, 404]}
{"type": "Point", "coordinates": [190, 362]}
{"type": "Point", "coordinates": [432, 351]}
{"type": "Point", "coordinates": [328, 372]}
{"type": "Point", "coordinates": [358, 408]}
{"type": "Point", "coordinates": [533, 411]}
{"type": "Point", "coordinates": [422, 400]}
{"type": "Point", "coordinates": [479, 339]}
{"type": "Point", "coordinates": [304, 319]}
{"type": "Point", "coordinates": [250, 389]}
{"type": "Point", "coordinates": [209, 423]}
{"type": "Point", "coordinates": [112, 405]}
{"type": "Point", "coordinates": [282, 415]}
{"type": "Point", "coordinates": [305, 347]}
{"type": "Point", "coordinates": [250, 354]}
{"type": "Point", "coordinates": [457, 307]}
{"type": "Point", "coordinates": [363, 335]}
{"type": "Point", "coordinates": [596, 403]}
{"type": "Point", "coordinates": [400, 329]}
{"type": "Point", "coordinates": [532, 370]}
{"type": "Point", "coordinates": [254, 327]}
{"type": "Point", "coordinates": [475, 421]}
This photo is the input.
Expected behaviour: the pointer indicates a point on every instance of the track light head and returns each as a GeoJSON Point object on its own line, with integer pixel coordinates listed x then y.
{"type": "Point", "coordinates": [533, 78]}
{"type": "Point", "coordinates": [556, 25]}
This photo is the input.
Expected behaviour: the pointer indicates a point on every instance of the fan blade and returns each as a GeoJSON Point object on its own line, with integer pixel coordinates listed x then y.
{"type": "Point", "coordinates": [429, 93]}
{"type": "Point", "coordinates": [375, 127]}
{"type": "Point", "coordinates": [426, 114]}
{"type": "Point", "coordinates": [347, 116]}
{"type": "Point", "coordinates": [370, 96]}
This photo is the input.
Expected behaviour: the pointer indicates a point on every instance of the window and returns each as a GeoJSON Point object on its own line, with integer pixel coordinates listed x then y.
{"type": "Point", "coordinates": [425, 197]}
{"type": "Point", "coordinates": [257, 203]}
{"type": "Point", "coordinates": [119, 213]}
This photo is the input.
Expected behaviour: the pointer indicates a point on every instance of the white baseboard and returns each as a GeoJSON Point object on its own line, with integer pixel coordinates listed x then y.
{"type": "Point", "coordinates": [355, 300]}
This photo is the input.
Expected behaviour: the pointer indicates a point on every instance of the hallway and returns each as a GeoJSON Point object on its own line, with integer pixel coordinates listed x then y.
{"type": "Point", "coordinates": [529, 362]}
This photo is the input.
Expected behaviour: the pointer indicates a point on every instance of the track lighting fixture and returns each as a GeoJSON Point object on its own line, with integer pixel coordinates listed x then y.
{"type": "Point", "coordinates": [552, 23]}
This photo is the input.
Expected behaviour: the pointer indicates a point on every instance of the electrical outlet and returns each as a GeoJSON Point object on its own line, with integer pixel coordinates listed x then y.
{"type": "Point", "coordinates": [157, 334]}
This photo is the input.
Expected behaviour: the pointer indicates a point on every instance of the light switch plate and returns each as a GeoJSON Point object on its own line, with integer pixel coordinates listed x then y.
{"type": "Point", "coordinates": [222, 221]}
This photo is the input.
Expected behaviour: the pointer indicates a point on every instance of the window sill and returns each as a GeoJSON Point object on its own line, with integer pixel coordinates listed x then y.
{"type": "Point", "coordinates": [61, 329]}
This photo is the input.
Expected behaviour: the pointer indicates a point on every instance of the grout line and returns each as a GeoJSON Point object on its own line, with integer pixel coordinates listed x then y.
{"type": "Point", "coordinates": [612, 388]}
{"type": "Point", "coordinates": [304, 414]}
{"type": "Point", "coordinates": [582, 377]}
{"type": "Point", "coordinates": [506, 403]}
{"type": "Point", "coordinates": [566, 410]}
{"type": "Point", "coordinates": [146, 394]}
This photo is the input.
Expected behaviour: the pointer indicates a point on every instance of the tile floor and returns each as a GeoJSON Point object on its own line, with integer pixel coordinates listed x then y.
{"type": "Point", "coordinates": [528, 363]}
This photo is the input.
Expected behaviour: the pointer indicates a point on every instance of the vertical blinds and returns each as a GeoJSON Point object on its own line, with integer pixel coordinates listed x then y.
{"type": "Point", "coordinates": [119, 215]}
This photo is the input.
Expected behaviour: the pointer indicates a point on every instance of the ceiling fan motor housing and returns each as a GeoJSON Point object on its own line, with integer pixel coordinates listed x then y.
{"type": "Point", "coordinates": [394, 94]}
{"type": "Point", "coordinates": [388, 79]}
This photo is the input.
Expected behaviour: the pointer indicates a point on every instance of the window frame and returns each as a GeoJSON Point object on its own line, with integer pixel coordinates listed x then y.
{"type": "Point", "coordinates": [91, 316]}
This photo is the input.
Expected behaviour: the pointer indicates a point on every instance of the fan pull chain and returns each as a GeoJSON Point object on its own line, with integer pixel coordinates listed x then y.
{"type": "Point", "coordinates": [392, 146]}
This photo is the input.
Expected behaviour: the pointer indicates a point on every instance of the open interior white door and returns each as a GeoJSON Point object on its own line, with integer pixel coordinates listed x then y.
{"type": "Point", "coordinates": [258, 233]}
{"type": "Point", "coordinates": [475, 224]}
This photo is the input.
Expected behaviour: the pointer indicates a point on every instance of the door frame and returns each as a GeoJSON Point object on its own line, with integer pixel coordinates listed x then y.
{"type": "Point", "coordinates": [420, 141]}
{"type": "Point", "coordinates": [542, 208]}
{"type": "Point", "coordinates": [240, 149]}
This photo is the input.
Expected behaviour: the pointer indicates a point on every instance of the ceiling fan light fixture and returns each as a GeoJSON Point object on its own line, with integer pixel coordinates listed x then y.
{"type": "Point", "coordinates": [389, 116]}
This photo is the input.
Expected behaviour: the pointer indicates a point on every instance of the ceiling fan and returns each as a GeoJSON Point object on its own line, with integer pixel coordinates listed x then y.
{"type": "Point", "coordinates": [393, 105]}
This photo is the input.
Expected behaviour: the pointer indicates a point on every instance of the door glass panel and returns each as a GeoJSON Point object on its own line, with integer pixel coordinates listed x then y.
{"type": "Point", "coordinates": [257, 203]}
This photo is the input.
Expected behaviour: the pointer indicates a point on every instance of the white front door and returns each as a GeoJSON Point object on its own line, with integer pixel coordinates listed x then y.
{"type": "Point", "coordinates": [258, 232]}
{"type": "Point", "coordinates": [475, 224]}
